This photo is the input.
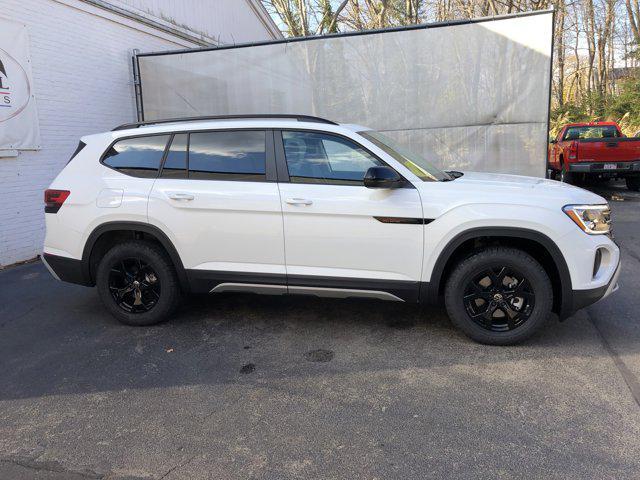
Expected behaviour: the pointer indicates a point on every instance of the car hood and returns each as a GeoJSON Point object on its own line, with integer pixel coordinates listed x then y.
{"type": "Point", "coordinates": [527, 189]}
{"type": "Point", "coordinates": [475, 188]}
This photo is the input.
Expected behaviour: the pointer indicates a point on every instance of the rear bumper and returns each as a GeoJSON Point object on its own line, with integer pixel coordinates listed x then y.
{"type": "Point", "coordinates": [65, 269]}
{"type": "Point", "coordinates": [584, 298]}
{"type": "Point", "coordinates": [598, 167]}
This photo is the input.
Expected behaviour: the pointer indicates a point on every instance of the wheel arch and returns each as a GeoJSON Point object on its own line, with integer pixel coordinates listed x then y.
{"type": "Point", "coordinates": [543, 248]}
{"type": "Point", "coordinates": [107, 233]}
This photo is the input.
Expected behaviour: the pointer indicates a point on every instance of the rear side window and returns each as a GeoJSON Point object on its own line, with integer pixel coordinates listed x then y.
{"type": "Point", "coordinates": [228, 155]}
{"type": "Point", "coordinates": [138, 157]}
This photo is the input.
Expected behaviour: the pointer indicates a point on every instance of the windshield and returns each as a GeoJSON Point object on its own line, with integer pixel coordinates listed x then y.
{"type": "Point", "coordinates": [414, 162]}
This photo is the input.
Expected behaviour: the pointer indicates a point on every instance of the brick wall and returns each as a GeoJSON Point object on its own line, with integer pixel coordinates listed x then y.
{"type": "Point", "coordinates": [81, 62]}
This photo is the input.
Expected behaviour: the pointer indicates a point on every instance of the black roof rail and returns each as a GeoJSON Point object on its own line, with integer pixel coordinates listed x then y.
{"type": "Point", "coordinates": [299, 118]}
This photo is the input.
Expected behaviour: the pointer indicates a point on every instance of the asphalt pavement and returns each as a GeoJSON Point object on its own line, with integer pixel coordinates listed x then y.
{"type": "Point", "coordinates": [244, 386]}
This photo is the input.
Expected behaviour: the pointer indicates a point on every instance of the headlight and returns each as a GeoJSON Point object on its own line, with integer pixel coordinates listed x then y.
{"type": "Point", "coordinates": [592, 219]}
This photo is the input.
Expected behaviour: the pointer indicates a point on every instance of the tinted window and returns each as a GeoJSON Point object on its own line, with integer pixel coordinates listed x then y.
{"type": "Point", "coordinates": [238, 155]}
{"type": "Point", "coordinates": [175, 164]}
{"type": "Point", "coordinates": [138, 157]}
{"type": "Point", "coordinates": [322, 158]}
{"type": "Point", "coordinates": [602, 131]}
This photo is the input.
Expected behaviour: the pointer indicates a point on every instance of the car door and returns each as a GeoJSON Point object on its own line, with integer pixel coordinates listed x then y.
{"type": "Point", "coordinates": [339, 235]}
{"type": "Point", "coordinates": [217, 199]}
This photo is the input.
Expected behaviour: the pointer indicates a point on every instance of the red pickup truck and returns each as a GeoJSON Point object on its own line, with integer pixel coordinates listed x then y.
{"type": "Point", "coordinates": [598, 150]}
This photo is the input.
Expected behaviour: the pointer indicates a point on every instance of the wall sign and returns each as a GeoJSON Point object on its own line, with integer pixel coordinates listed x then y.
{"type": "Point", "coordinates": [18, 115]}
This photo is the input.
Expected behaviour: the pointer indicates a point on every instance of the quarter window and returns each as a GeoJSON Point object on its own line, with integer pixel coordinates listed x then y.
{"type": "Point", "coordinates": [138, 157]}
{"type": "Point", "coordinates": [228, 155]}
{"type": "Point", "coordinates": [323, 158]}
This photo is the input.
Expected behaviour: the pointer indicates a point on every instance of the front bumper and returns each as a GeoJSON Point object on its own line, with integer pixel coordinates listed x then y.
{"type": "Point", "coordinates": [630, 167]}
{"type": "Point", "coordinates": [584, 298]}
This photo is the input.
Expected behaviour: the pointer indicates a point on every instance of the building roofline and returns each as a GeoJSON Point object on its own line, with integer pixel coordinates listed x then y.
{"type": "Point", "coordinates": [265, 18]}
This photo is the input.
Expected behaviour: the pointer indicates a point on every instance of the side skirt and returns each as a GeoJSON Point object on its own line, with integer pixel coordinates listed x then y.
{"type": "Point", "coordinates": [205, 281]}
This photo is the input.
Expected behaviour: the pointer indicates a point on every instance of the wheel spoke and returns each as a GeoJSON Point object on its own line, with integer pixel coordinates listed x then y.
{"type": "Point", "coordinates": [488, 314]}
{"type": "Point", "coordinates": [514, 301]}
{"type": "Point", "coordinates": [475, 296]}
{"type": "Point", "coordinates": [496, 279]}
{"type": "Point", "coordinates": [134, 285]}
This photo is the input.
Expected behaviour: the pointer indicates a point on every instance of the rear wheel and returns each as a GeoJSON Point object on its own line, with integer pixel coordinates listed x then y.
{"type": "Point", "coordinates": [137, 283]}
{"type": "Point", "coordinates": [499, 296]}
{"type": "Point", "coordinates": [633, 183]}
{"type": "Point", "coordinates": [565, 176]}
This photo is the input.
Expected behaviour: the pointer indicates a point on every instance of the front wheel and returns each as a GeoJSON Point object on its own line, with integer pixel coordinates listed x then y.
{"type": "Point", "coordinates": [633, 183]}
{"type": "Point", "coordinates": [499, 296]}
{"type": "Point", "coordinates": [137, 283]}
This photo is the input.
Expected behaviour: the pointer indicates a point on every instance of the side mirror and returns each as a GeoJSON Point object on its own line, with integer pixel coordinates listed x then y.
{"type": "Point", "coordinates": [383, 177]}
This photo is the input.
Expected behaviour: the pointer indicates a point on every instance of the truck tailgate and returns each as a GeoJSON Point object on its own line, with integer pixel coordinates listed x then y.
{"type": "Point", "coordinates": [608, 150]}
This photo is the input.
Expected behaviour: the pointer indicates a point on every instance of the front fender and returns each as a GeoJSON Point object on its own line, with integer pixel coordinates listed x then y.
{"type": "Point", "coordinates": [446, 233]}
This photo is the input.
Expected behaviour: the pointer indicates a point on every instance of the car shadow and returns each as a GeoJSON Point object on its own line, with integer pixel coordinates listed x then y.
{"type": "Point", "coordinates": [57, 339]}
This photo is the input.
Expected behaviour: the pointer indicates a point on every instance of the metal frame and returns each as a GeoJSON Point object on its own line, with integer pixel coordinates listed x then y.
{"type": "Point", "coordinates": [299, 118]}
{"type": "Point", "coordinates": [553, 46]}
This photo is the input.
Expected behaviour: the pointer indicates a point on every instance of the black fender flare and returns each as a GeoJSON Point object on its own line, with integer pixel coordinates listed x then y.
{"type": "Point", "coordinates": [133, 227]}
{"type": "Point", "coordinates": [566, 300]}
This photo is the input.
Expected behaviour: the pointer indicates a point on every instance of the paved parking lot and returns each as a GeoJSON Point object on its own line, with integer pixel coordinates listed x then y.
{"type": "Point", "coordinates": [244, 386]}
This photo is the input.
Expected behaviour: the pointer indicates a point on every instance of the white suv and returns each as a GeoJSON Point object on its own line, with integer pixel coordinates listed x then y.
{"type": "Point", "coordinates": [283, 204]}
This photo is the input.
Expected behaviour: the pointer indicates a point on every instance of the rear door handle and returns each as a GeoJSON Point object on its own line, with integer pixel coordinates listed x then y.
{"type": "Point", "coordinates": [180, 196]}
{"type": "Point", "coordinates": [298, 201]}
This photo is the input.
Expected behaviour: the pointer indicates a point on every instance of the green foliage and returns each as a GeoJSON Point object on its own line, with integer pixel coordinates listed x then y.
{"type": "Point", "coordinates": [623, 108]}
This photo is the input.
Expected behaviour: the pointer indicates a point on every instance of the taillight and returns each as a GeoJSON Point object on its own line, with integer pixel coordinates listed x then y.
{"type": "Point", "coordinates": [53, 200]}
{"type": "Point", "coordinates": [573, 150]}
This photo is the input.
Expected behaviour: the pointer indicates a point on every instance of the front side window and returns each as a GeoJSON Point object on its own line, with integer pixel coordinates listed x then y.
{"type": "Point", "coordinates": [324, 158]}
{"type": "Point", "coordinates": [137, 157]}
{"type": "Point", "coordinates": [228, 155]}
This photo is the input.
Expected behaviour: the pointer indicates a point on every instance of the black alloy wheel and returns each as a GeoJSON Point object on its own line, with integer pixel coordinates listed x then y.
{"type": "Point", "coordinates": [137, 283]}
{"type": "Point", "coordinates": [499, 299]}
{"type": "Point", "coordinates": [498, 295]}
{"type": "Point", "coordinates": [134, 285]}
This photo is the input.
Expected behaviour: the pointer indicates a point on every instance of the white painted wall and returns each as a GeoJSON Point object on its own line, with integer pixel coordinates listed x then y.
{"type": "Point", "coordinates": [81, 62]}
{"type": "Point", "coordinates": [228, 21]}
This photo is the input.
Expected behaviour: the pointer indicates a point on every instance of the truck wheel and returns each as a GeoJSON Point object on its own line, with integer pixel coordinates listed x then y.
{"type": "Point", "coordinates": [565, 176]}
{"type": "Point", "coordinates": [633, 183]}
{"type": "Point", "coordinates": [137, 283]}
{"type": "Point", "coordinates": [499, 296]}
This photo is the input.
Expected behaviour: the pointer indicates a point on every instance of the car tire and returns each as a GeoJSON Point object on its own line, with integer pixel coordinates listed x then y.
{"type": "Point", "coordinates": [137, 283]}
{"type": "Point", "coordinates": [524, 296]}
{"type": "Point", "coordinates": [565, 176]}
{"type": "Point", "coordinates": [633, 183]}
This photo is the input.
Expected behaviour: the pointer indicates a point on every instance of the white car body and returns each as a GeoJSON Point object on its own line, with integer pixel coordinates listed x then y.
{"type": "Point", "coordinates": [284, 237]}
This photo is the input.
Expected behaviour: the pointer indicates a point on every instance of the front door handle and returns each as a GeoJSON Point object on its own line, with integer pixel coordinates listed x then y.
{"type": "Point", "coordinates": [298, 201]}
{"type": "Point", "coordinates": [180, 196]}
